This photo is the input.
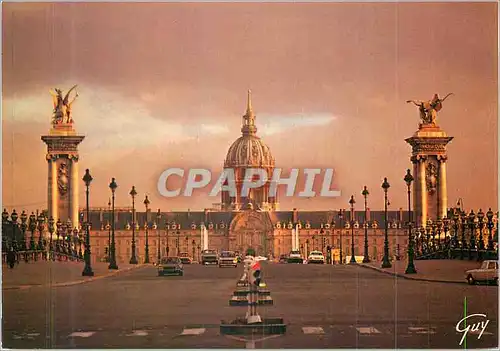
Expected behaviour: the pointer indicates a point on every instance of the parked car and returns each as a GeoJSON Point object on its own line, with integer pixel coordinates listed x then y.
{"type": "Point", "coordinates": [186, 260]}
{"type": "Point", "coordinates": [316, 257]}
{"type": "Point", "coordinates": [295, 257]}
{"type": "Point", "coordinates": [228, 259]}
{"type": "Point", "coordinates": [170, 266]}
{"type": "Point", "coordinates": [283, 259]}
{"type": "Point", "coordinates": [487, 273]}
{"type": "Point", "coordinates": [209, 257]}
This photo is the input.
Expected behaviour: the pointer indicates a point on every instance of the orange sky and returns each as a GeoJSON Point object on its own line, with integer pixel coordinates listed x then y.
{"type": "Point", "coordinates": [164, 85]}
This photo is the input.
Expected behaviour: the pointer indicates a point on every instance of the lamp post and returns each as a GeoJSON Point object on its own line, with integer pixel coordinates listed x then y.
{"type": "Point", "coordinates": [410, 269]}
{"type": "Point", "coordinates": [480, 217]}
{"type": "Point", "coordinates": [76, 241]}
{"type": "Point", "coordinates": [32, 227]}
{"type": "Point", "coordinates": [146, 251]}
{"type": "Point", "coordinates": [158, 217]}
{"type": "Point", "coordinates": [133, 193]}
{"type": "Point", "coordinates": [489, 215]}
{"type": "Point", "coordinates": [199, 253]}
{"type": "Point", "coordinates": [41, 227]}
{"type": "Point", "coordinates": [112, 259]}
{"type": "Point", "coordinates": [68, 238]}
{"type": "Point", "coordinates": [193, 243]}
{"type": "Point", "coordinates": [463, 222]}
{"type": "Point", "coordinates": [51, 231]}
{"type": "Point", "coordinates": [341, 217]}
{"type": "Point", "coordinates": [472, 225]}
{"type": "Point", "coordinates": [87, 270]}
{"type": "Point", "coordinates": [365, 194]}
{"type": "Point", "coordinates": [24, 218]}
{"type": "Point", "coordinates": [5, 222]}
{"type": "Point", "coordinates": [352, 202]}
{"type": "Point", "coordinates": [14, 218]}
{"type": "Point", "coordinates": [385, 262]}
{"type": "Point", "coordinates": [109, 230]}
{"type": "Point", "coordinates": [177, 242]}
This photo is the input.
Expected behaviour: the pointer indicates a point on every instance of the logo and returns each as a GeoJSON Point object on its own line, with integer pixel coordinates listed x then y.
{"type": "Point", "coordinates": [254, 178]}
{"type": "Point", "coordinates": [465, 329]}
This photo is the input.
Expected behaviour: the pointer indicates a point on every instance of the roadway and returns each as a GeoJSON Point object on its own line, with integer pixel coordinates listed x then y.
{"type": "Point", "coordinates": [323, 307]}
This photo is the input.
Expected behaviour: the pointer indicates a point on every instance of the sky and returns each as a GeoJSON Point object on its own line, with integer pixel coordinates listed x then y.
{"type": "Point", "coordinates": [164, 85]}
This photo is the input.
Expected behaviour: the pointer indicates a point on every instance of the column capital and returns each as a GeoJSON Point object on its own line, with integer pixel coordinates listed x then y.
{"type": "Point", "coordinates": [51, 157]}
{"type": "Point", "coordinates": [442, 158]}
{"type": "Point", "coordinates": [418, 158]}
{"type": "Point", "coordinates": [73, 157]}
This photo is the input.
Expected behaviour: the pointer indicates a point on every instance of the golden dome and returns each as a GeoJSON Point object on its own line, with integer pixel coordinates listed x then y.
{"type": "Point", "coordinates": [249, 150]}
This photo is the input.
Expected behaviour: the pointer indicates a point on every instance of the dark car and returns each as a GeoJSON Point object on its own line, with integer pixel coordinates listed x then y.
{"type": "Point", "coordinates": [283, 259]}
{"type": "Point", "coordinates": [170, 266]}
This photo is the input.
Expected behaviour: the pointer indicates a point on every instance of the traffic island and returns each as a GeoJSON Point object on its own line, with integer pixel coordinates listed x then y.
{"type": "Point", "coordinates": [251, 292]}
{"type": "Point", "coordinates": [268, 326]}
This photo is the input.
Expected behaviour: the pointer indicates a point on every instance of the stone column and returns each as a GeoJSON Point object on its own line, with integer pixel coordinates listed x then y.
{"type": "Point", "coordinates": [74, 193]}
{"type": "Point", "coordinates": [54, 196]}
{"type": "Point", "coordinates": [443, 193]}
{"type": "Point", "coordinates": [423, 189]}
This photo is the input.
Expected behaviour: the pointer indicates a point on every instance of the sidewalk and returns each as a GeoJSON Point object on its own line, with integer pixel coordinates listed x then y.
{"type": "Point", "coordinates": [55, 273]}
{"type": "Point", "coordinates": [443, 271]}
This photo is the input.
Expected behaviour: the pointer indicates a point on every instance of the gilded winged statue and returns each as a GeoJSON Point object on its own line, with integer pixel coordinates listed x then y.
{"type": "Point", "coordinates": [62, 106]}
{"type": "Point", "coordinates": [429, 109]}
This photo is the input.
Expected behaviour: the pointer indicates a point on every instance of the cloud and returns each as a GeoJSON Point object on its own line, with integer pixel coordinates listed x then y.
{"type": "Point", "coordinates": [114, 121]}
{"type": "Point", "coordinates": [275, 124]}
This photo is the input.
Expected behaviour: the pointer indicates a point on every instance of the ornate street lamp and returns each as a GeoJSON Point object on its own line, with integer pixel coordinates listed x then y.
{"type": "Point", "coordinates": [177, 242]}
{"type": "Point", "coordinates": [87, 270]}
{"type": "Point", "coordinates": [24, 218]}
{"type": "Point", "coordinates": [76, 238]}
{"type": "Point", "coordinates": [352, 202]}
{"type": "Point", "coordinates": [385, 262]}
{"type": "Point", "coordinates": [109, 230]}
{"type": "Point", "coordinates": [51, 231]}
{"type": "Point", "coordinates": [446, 228]}
{"type": "Point", "coordinates": [5, 222]}
{"type": "Point", "coordinates": [193, 243]}
{"type": "Point", "coordinates": [112, 259]}
{"type": "Point", "coordinates": [472, 226]}
{"type": "Point", "coordinates": [187, 244]}
{"type": "Point", "coordinates": [480, 217]}
{"type": "Point", "coordinates": [32, 228]}
{"type": "Point", "coordinates": [341, 217]}
{"type": "Point", "coordinates": [167, 225]}
{"type": "Point", "coordinates": [14, 218]}
{"type": "Point", "coordinates": [489, 215]}
{"type": "Point", "coordinates": [68, 238]}
{"type": "Point", "coordinates": [463, 223]}
{"type": "Point", "coordinates": [456, 219]}
{"type": "Point", "coordinates": [439, 224]}
{"type": "Point", "coordinates": [158, 218]}
{"type": "Point", "coordinates": [59, 229]}
{"type": "Point", "coordinates": [133, 259]}
{"type": "Point", "coordinates": [146, 252]}
{"type": "Point", "coordinates": [199, 253]}
{"type": "Point", "coordinates": [365, 194]}
{"type": "Point", "coordinates": [41, 227]}
{"type": "Point", "coordinates": [410, 269]}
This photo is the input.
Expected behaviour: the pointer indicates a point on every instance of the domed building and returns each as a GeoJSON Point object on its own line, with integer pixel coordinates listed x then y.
{"type": "Point", "coordinates": [249, 151]}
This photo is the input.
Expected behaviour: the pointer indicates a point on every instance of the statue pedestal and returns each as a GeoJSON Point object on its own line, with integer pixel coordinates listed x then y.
{"type": "Point", "coordinates": [62, 129]}
{"type": "Point", "coordinates": [430, 200]}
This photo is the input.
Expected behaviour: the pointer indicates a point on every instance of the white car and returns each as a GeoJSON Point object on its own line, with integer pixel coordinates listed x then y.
{"type": "Point", "coordinates": [316, 257]}
{"type": "Point", "coordinates": [487, 273]}
{"type": "Point", "coordinates": [295, 257]}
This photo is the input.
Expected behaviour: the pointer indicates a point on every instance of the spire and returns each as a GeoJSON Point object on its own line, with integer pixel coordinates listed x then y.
{"type": "Point", "coordinates": [248, 127]}
{"type": "Point", "coordinates": [249, 103]}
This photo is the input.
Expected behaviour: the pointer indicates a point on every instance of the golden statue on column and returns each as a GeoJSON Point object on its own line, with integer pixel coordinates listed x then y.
{"type": "Point", "coordinates": [430, 200]}
{"type": "Point", "coordinates": [62, 157]}
{"type": "Point", "coordinates": [429, 109]}
{"type": "Point", "coordinates": [62, 106]}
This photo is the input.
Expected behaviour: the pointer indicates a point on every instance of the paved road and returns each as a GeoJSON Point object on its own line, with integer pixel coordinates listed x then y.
{"type": "Point", "coordinates": [323, 307]}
